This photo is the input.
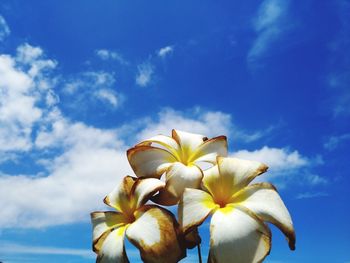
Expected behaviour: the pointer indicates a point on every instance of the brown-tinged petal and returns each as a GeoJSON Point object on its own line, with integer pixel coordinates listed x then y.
{"type": "Point", "coordinates": [168, 142]}
{"type": "Point", "coordinates": [155, 233]}
{"type": "Point", "coordinates": [112, 249]}
{"type": "Point", "coordinates": [102, 224]}
{"type": "Point", "coordinates": [194, 208]}
{"type": "Point", "coordinates": [238, 236]}
{"type": "Point", "coordinates": [144, 189]}
{"type": "Point", "coordinates": [210, 149]}
{"type": "Point", "coordinates": [149, 161]}
{"type": "Point", "coordinates": [119, 198]}
{"type": "Point", "coordinates": [265, 202]}
{"type": "Point", "coordinates": [178, 177]}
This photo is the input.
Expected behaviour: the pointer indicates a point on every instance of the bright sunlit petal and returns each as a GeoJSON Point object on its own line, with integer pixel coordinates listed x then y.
{"type": "Point", "coordinates": [236, 236]}
{"type": "Point", "coordinates": [265, 202]}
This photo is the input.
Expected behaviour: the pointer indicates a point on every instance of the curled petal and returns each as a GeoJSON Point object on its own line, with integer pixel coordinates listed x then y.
{"type": "Point", "coordinates": [155, 233]}
{"type": "Point", "coordinates": [103, 223]}
{"type": "Point", "coordinates": [194, 208]}
{"type": "Point", "coordinates": [179, 177]}
{"type": "Point", "coordinates": [113, 249]}
{"type": "Point", "coordinates": [168, 142]}
{"type": "Point", "coordinates": [210, 149]}
{"type": "Point", "coordinates": [188, 141]}
{"type": "Point", "coordinates": [119, 198]}
{"type": "Point", "coordinates": [263, 200]}
{"type": "Point", "coordinates": [144, 188]}
{"type": "Point", "coordinates": [239, 236]}
{"type": "Point", "coordinates": [149, 161]}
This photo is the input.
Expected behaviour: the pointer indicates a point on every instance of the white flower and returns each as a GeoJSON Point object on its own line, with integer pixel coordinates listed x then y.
{"type": "Point", "coordinates": [178, 157]}
{"type": "Point", "coordinates": [237, 229]}
{"type": "Point", "coordinates": [152, 229]}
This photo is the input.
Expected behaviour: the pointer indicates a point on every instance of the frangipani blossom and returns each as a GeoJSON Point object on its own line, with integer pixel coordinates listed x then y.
{"type": "Point", "coordinates": [237, 229]}
{"type": "Point", "coordinates": [152, 229]}
{"type": "Point", "coordinates": [177, 156]}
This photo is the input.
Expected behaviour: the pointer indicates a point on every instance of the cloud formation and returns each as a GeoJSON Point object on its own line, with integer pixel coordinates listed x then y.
{"type": "Point", "coordinates": [165, 51]}
{"type": "Point", "coordinates": [144, 74]}
{"type": "Point", "coordinates": [4, 28]}
{"type": "Point", "coordinates": [268, 26]}
{"type": "Point", "coordinates": [106, 54]}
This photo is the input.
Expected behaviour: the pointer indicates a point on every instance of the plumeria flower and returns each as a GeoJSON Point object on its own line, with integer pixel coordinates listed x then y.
{"type": "Point", "coordinates": [152, 229]}
{"type": "Point", "coordinates": [179, 157]}
{"type": "Point", "coordinates": [237, 229]}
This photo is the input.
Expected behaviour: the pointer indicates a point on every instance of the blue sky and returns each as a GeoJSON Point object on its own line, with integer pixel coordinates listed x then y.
{"type": "Point", "coordinates": [81, 81]}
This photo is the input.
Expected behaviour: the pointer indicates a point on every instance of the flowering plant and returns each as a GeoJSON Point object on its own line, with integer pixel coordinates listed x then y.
{"type": "Point", "coordinates": [239, 210]}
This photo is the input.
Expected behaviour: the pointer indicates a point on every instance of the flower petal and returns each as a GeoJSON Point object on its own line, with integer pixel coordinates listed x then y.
{"type": "Point", "coordinates": [194, 208]}
{"type": "Point", "coordinates": [112, 249]}
{"type": "Point", "coordinates": [144, 188]}
{"type": "Point", "coordinates": [166, 141]}
{"type": "Point", "coordinates": [119, 198]}
{"type": "Point", "coordinates": [155, 234]}
{"type": "Point", "coordinates": [149, 161]}
{"type": "Point", "coordinates": [263, 200]}
{"type": "Point", "coordinates": [104, 223]}
{"type": "Point", "coordinates": [178, 177]}
{"type": "Point", "coordinates": [210, 149]}
{"type": "Point", "coordinates": [237, 235]}
{"type": "Point", "coordinates": [188, 141]}
{"type": "Point", "coordinates": [241, 171]}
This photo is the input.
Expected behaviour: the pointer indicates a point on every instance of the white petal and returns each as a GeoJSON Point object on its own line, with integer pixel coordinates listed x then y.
{"type": "Point", "coordinates": [194, 208]}
{"type": "Point", "coordinates": [178, 177]}
{"type": "Point", "coordinates": [236, 236]}
{"type": "Point", "coordinates": [145, 188]}
{"type": "Point", "coordinates": [104, 222]}
{"type": "Point", "coordinates": [263, 200]}
{"type": "Point", "coordinates": [166, 141]}
{"type": "Point", "coordinates": [155, 234]}
{"type": "Point", "coordinates": [241, 171]}
{"type": "Point", "coordinates": [210, 149]}
{"type": "Point", "coordinates": [119, 198]}
{"type": "Point", "coordinates": [112, 249]}
{"type": "Point", "coordinates": [188, 141]}
{"type": "Point", "coordinates": [148, 161]}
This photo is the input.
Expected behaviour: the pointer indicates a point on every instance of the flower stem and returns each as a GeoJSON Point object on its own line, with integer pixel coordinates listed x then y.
{"type": "Point", "coordinates": [199, 253]}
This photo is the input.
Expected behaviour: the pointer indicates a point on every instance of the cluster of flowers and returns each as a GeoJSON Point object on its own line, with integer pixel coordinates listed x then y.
{"type": "Point", "coordinates": [239, 210]}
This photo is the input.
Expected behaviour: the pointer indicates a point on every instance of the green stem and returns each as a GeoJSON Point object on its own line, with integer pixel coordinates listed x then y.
{"type": "Point", "coordinates": [199, 253]}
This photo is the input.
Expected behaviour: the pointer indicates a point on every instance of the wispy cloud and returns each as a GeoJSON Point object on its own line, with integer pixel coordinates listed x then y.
{"type": "Point", "coordinates": [339, 76]}
{"type": "Point", "coordinates": [308, 195]}
{"type": "Point", "coordinates": [144, 74]}
{"type": "Point", "coordinates": [268, 26]}
{"type": "Point", "coordinates": [95, 85]}
{"type": "Point", "coordinates": [165, 51]}
{"type": "Point", "coordinates": [4, 28]}
{"type": "Point", "coordinates": [106, 54]}
{"type": "Point", "coordinates": [14, 248]}
{"type": "Point", "coordinates": [334, 141]}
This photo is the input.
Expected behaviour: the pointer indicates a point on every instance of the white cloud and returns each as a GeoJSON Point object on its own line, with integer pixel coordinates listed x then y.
{"type": "Point", "coordinates": [197, 121]}
{"type": "Point", "coordinates": [333, 141]}
{"type": "Point", "coordinates": [24, 83]}
{"type": "Point", "coordinates": [268, 26]}
{"type": "Point", "coordinates": [308, 195]}
{"type": "Point", "coordinates": [106, 54]}
{"type": "Point", "coordinates": [4, 28]}
{"type": "Point", "coordinates": [96, 85]}
{"type": "Point", "coordinates": [165, 51]}
{"type": "Point", "coordinates": [144, 74]}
